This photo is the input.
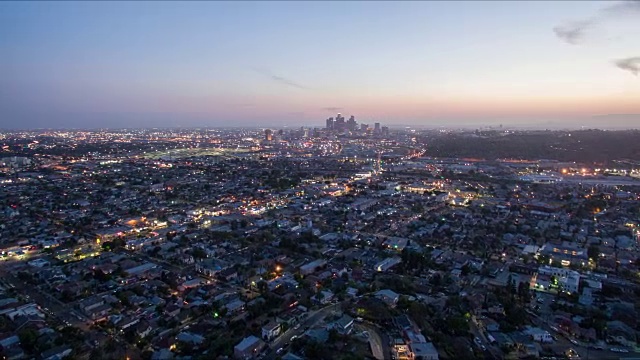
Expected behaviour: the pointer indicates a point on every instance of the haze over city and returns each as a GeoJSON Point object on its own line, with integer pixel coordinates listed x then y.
{"type": "Point", "coordinates": [331, 180]}
{"type": "Point", "coordinates": [166, 64]}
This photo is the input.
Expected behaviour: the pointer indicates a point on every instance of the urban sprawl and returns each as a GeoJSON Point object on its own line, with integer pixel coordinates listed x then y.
{"type": "Point", "coordinates": [345, 241]}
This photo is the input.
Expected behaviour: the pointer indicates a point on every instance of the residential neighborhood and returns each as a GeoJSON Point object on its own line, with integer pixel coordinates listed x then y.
{"type": "Point", "coordinates": [310, 244]}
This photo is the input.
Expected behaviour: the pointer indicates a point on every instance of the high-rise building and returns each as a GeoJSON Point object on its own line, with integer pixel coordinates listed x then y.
{"type": "Point", "coordinates": [330, 123]}
{"type": "Point", "coordinates": [268, 135]}
{"type": "Point", "coordinates": [385, 130]}
{"type": "Point", "coordinates": [376, 128]}
{"type": "Point", "coordinates": [364, 127]}
{"type": "Point", "coordinates": [339, 124]}
{"type": "Point", "coordinates": [351, 123]}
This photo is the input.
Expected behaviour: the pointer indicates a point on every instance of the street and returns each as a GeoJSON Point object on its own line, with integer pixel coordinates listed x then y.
{"type": "Point", "coordinates": [544, 321]}
{"type": "Point", "coordinates": [312, 320]}
{"type": "Point", "coordinates": [379, 347]}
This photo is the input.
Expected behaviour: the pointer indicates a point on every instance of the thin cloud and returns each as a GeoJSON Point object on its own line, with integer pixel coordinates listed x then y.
{"type": "Point", "coordinates": [576, 32]}
{"type": "Point", "coordinates": [629, 7]}
{"type": "Point", "coordinates": [631, 65]}
{"type": "Point", "coordinates": [332, 109]}
{"type": "Point", "coordinates": [244, 105]}
{"type": "Point", "coordinates": [286, 81]}
{"type": "Point", "coordinates": [280, 79]}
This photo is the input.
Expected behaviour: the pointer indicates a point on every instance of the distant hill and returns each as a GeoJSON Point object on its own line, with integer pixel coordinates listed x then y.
{"type": "Point", "coordinates": [597, 146]}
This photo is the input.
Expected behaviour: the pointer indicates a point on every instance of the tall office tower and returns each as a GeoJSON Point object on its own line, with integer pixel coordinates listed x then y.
{"type": "Point", "coordinates": [306, 132]}
{"type": "Point", "coordinates": [330, 123]}
{"type": "Point", "coordinates": [268, 135]}
{"type": "Point", "coordinates": [351, 123]}
{"type": "Point", "coordinates": [376, 129]}
{"type": "Point", "coordinates": [364, 127]}
{"type": "Point", "coordinates": [339, 125]}
{"type": "Point", "coordinates": [385, 130]}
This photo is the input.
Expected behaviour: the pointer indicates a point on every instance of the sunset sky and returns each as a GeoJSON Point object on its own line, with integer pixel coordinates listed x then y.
{"type": "Point", "coordinates": [124, 64]}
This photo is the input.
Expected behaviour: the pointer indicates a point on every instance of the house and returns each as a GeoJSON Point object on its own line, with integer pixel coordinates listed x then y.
{"type": "Point", "coordinates": [141, 269]}
{"type": "Point", "coordinates": [127, 322]}
{"type": "Point", "coordinates": [387, 264]}
{"type": "Point", "coordinates": [344, 325]}
{"type": "Point", "coordinates": [162, 354]}
{"type": "Point", "coordinates": [323, 297]}
{"type": "Point", "coordinates": [228, 274]}
{"type": "Point", "coordinates": [235, 306]}
{"type": "Point", "coordinates": [496, 309]}
{"type": "Point", "coordinates": [396, 243]}
{"type": "Point", "coordinates": [539, 335]}
{"type": "Point", "coordinates": [389, 297]}
{"type": "Point", "coordinates": [491, 325]}
{"type": "Point", "coordinates": [249, 348]}
{"type": "Point", "coordinates": [351, 292]}
{"type": "Point", "coordinates": [568, 280]}
{"type": "Point", "coordinates": [317, 335]}
{"type": "Point", "coordinates": [210, 267]}
{"type": "Point", "coordinates": [172, 310]}
{"type": "Point", "coordinates": [10, 341]}
{"type": "Point", "coordinates": [98, 312]}
{"type": "Point", "coordinates": [56, 353]}
{"type": "Point", "coordinates": [290, 317]}
{"type": "Point", "coordinates": [271, 330]}
{"type": "Point", "coordinates": [13, 353]}
{"type": "Point", "coordinates": [143, 329]}
{"type": "Point", "coordinates": [291, 356]}
{"type": "Point", "coordinates": [39, 263]}
{"type": "Point", "coordinates": [186, 259]}
{"type": "Point", "coordinates": [312, 267]}
{"type": "Point", "coordinates": [423, 351]}
{"type": "Point", "coordinates": [566, 253]}
{"type": "Point", "coordinates": [89, 304]}
{"type": "Point", "coordinates": [621, 333]}
{"type": "Point", "coordinates": [189, 338]}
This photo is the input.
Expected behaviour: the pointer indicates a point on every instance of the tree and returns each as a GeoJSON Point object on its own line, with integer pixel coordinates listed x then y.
{"type": "Point", "coordinates": [457, 325]}
{"type": "Point", "coordinates": [101, 276]}
{"type": "Point", "coordinates": [436, 280]}
{"type": "Point", "coordinates": [593, 252]}
{"type": "Point", "coordinates": [512, 285]}
{"type": "Point", "coordinates": [198, 253]}
{"type": "Point", "coordinates": [28, 339]}
{"type": "Point", "coordinates": [466, 269]}
{"type": "Point", "coordinates": [262, 286]}
{"type": "Point", "coordinates": [110, 346]}
{"type": "Point", "coordinates": [523, 291]}
{"type": "Point", "coordinates": [333, 335]}
{"type": "Point", "coordinates": [154, 252]}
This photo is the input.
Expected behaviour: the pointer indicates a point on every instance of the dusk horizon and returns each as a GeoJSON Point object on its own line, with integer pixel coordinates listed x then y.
{"type": "Point", "coordinates": [319, 180]}
{"type": "Point", "coordinates": [193, 64]}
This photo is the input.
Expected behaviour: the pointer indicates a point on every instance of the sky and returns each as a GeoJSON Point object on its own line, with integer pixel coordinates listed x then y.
{"type": "Point", "coordinates": [428, 63]}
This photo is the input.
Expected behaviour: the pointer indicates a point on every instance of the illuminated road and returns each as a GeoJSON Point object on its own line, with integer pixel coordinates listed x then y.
{"type": "Point", "coordinates": [375, 341]}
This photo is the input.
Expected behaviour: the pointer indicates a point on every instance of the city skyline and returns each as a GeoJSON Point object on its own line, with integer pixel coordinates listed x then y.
{"type": "Point", "coordinates": [195, 64]}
